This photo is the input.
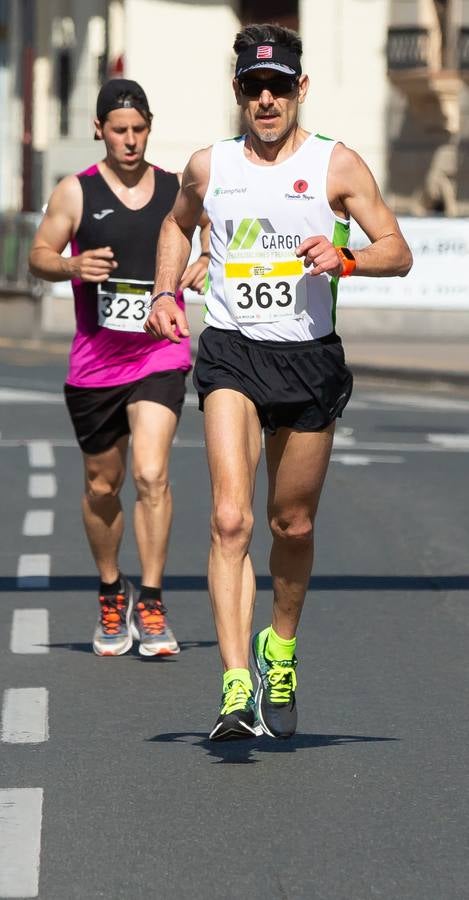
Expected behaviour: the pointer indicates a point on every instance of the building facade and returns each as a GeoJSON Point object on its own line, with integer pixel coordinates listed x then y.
{"type": "Point", "coordinates": [389, 77]}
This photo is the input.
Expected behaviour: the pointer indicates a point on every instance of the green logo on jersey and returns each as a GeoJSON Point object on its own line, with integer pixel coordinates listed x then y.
{"type": "Point", "coordinates": [246, 233]}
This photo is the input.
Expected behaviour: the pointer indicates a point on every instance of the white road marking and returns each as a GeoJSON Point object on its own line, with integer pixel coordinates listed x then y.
{"type": "Point", "coordinates": [450, 441]}
{"type": "Point", "coordinates": [41, 454]}
{"type": "Point", "coordinates": [20, 842]}
{"type": "Point", "coordinates": [38, 522]}
{"type": "Point", "coordinates": [40, 486]}
{"type": "Point", "coordinates": [356, 459]}
{"type": "Point", "coordinates": [422, 401]}
{"type": "Point", "coordinates": [384, 446]}
{"type": "Point", "coordinates": [22, 442]}
{"type": "Point", "coordinates": [358, 404]}
{"type": "Point", "coordinates": [25, 716]}
{"type": "Point", "coordinates": [33, 570]}
{"type": "Point", "coordinates": [12, 395]}
{"type": "Point", "coordinates": [30, 631]}
{"type": "Point", "coordinates": [344, 440]}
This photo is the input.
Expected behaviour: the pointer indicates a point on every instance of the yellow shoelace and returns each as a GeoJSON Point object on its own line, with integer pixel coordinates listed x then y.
{"type": "Point", "coordinates": [282, 681]}
{"type": "Point", "coordinates": [235, 697]}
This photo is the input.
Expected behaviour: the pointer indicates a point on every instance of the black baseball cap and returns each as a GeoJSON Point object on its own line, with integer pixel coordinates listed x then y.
{"type": "Point", "coordinates": [268, 56]}
{"type": "Point", "coordinates": [121, 93]}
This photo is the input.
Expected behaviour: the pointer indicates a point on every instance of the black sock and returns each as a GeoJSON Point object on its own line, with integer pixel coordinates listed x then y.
{"type": "Point", "coordinates": [149, 593]}
{"type": "Point", "coordinates": [107, 589]}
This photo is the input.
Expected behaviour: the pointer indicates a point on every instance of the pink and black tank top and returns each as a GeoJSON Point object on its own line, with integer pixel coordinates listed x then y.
{"type": "Point", "coordinates": [110, 347]}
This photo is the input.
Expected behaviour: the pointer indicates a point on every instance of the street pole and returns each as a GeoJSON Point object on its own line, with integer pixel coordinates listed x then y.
{"type": "Point", "coordinates": [27, 63]}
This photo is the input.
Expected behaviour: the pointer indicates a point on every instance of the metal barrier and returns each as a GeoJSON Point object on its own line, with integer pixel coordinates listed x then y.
{"type": "Point", "coordinates": [16, 233]}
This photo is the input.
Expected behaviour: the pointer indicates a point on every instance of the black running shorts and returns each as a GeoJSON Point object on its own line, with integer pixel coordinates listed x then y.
{"type": "Point", "coordinates": [99, 415]}
{"type": "Point", "coordinates": [302, 385]}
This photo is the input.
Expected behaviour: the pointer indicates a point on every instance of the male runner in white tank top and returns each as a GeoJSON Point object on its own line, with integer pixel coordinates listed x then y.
{"type": "Point", "coordinates": [279, 200]}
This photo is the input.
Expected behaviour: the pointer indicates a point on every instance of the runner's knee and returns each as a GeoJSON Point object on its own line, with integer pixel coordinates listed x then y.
{"type": "Point", "coordinates": [151, 481]}
{"type": "Point", "coordinates": [231, 524]}
{"type": "Point", "coordinates": [102, 487]}
{"type": "Point", "coordinates": [298, 531]}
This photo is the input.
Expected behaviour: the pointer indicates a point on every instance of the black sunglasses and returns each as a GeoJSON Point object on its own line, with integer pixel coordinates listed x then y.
{"type": "Point", "coordinates": [278, 86]}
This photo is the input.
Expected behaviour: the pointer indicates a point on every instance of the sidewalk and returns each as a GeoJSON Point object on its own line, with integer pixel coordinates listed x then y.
{"type": "Point", "coordinates": [426, 359]}
{"type": "Point", "coordinates": [402, 353]}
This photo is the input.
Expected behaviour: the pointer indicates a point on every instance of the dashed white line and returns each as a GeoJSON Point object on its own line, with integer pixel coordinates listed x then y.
{"type": "Point", "coordinates": [12, 395]}
{"type": "Point", "coordinates": [38, 522]}
{"type": "Point", "coordinates": [33, 570]}
{"type": "Point", "coordinates": [20, 842]}
{"type": "Point", "coordinates": [421, 401]}
{"type": "Point", "coordinates": [30, 631]}
{"type": "Point", "coordinates": [41, 486]}
{"type": "Point", "coordinates": [25, 716]}
{"type": "Point", "coordinates": [450, 441]}
{"type": "Point", "coordinates": [342, 440]}
{"type": "Point", "coordinates": [41, 454]}
{"type": "Point", "coordinates": [357, 459]}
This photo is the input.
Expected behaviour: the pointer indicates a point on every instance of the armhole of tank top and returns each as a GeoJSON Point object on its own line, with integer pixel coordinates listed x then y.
{"type": "Point", "coordinates": [73, 242]}
{"type": "Point", "coordinates": [213, 156]}
{"type": "Point", "coordinates": [338, 220]}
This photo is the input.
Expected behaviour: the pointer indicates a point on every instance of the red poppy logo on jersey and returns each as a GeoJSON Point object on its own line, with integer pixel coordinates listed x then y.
{"type": "Point", "coordinates": [300, 186]}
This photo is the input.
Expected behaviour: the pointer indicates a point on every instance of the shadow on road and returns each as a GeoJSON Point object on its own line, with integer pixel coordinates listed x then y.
{"type": "Point", "coordinates": [240, 752]}
{"type": "Point", "coordinates": [264, 583]}
{"type": "Point", "coordinates": [86, 647]}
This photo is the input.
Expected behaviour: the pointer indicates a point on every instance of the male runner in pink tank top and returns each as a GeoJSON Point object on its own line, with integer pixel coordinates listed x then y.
{"type": "Point", "coordinates": [120, 382]}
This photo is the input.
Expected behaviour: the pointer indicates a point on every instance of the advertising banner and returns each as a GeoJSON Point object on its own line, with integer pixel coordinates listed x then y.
{"type": "Point", "coordinates": [439, 278]}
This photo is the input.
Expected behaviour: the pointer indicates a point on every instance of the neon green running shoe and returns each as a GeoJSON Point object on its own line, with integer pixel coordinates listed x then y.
{"type": "Point", "coordinates": [237, 714]}
{"type": "Point", "coordinates": [275, 695]}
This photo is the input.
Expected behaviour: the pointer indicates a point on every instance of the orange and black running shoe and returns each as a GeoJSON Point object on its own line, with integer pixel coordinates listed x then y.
{"type": "Point", "coordinates": [152, 630]}
{"type": "Point", "coordinates": [113, 633]}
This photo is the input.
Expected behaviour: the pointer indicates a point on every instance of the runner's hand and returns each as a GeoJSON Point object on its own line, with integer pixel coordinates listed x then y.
{"type": "Point", "coordinates": [93, 265]}
{"type": "Point", "coordinates": [194, 276]}
{"type": "Point", "coordinates": [165, 319]}
{"type": "Point", "coordinates": [321, 254]}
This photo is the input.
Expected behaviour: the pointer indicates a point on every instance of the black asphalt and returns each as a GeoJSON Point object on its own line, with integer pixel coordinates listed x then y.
{"type": "Point", "coordinates": [369, 799]}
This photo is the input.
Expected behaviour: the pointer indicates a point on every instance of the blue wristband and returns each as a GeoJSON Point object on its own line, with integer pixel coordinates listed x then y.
{"type": "Point", "coordinates": [162, 294]}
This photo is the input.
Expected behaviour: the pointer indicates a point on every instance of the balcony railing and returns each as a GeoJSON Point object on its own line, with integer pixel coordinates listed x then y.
{"type": "Point", "coordinates": [464, 49]}
{"type": "Point", "coordinates": [408, 48]}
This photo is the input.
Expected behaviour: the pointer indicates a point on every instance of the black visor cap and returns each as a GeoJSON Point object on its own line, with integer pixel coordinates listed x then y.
{"type": "Point", "coordinates": [121, 93]}
{"type": "Point", "coordinates": [268, 56]}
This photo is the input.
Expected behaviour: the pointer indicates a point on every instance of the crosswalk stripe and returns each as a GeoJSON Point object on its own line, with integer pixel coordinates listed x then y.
{"type": "Point", "coordinates": [41, 454]}
{"type": "Point", "coordinates": [38, 522]}
{"type": "Point", "coordinates": [25, 716]}
{"type": "Point", "coordinates": [20, 841]}
{"type": "Point", "coordinates": [33, 570]}
{"type": "Point", "coordinates": [30, 631]}
{"type": "Point", "coordinates": [42, 486]}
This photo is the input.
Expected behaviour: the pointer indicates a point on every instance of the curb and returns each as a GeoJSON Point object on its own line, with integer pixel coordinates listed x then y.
{"type": "Point", "coordinates": [434, 376]}
{"type": "Point", "coordinates": [58, 347]}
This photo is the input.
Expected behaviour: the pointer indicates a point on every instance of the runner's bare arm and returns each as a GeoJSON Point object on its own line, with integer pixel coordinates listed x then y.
{"type": "Point", "coordinates": [195, 274]}
{"type": "Point", "coordinates": [353, 191]}
{"type": "Point", "coordinates": [60, 223]}
{"type": "Point", "coordinates": [174, 245]}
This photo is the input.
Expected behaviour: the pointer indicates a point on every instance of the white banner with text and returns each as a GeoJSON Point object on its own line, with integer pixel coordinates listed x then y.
{"type": "Point", "coordinates": [439, 278]}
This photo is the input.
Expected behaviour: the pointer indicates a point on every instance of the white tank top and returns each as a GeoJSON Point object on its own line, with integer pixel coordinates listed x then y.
{"type": "Point", "coordinates": [259, 215]}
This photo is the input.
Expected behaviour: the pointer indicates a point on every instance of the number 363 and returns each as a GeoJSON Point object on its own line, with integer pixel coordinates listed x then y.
{"type": "Point", "coordinates": [264, 294]}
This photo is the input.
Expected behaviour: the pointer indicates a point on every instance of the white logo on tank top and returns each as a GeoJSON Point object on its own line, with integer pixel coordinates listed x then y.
{"type": "Point", "coordinates": [104, 212]}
